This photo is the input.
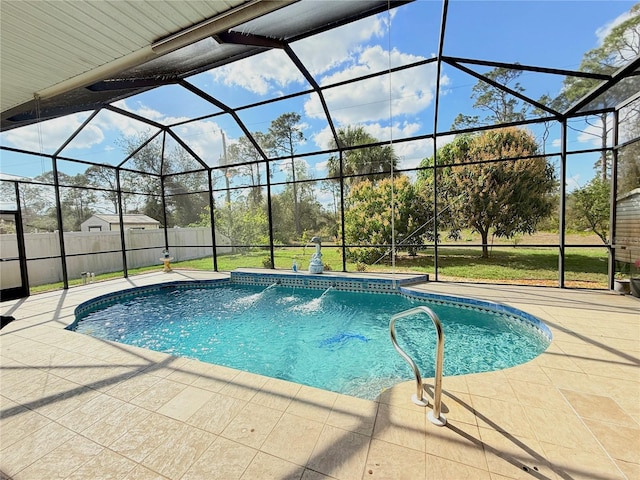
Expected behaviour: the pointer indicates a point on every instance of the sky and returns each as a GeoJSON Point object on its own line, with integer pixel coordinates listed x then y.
{"type": "Point", "coordinates": [553, 34]}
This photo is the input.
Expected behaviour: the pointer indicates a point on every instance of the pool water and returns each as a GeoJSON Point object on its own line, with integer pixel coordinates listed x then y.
{"type": "Point", "coordinates": [333, 340]}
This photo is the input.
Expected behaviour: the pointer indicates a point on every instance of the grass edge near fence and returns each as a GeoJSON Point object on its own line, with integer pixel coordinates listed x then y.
{"type": "Point", "coordinates": [529, 266]}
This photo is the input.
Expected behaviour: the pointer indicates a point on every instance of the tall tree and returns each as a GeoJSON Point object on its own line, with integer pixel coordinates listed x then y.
{"type": "Point", "coordinates": [105, 178]}
{"type": "Point", "coordinates": [39, 203]}
{"type": "Point", "coordinates": [501, 197]}
{"type": "Point", "coordinates": [501, 106]}
{"type": "Point", "coordinates": [619, 47]}
{"type": "Point", "coordinates": [77, 202]}
{"type": "Point", "coordinates": [311, 216]}
{"type": "Point", "coordinates": [285, 134]}
{"type": "Point", "coordinates": [248, 161]}
{"type": "Point", "coordinates": [629, 168]}
{"type": "Point", "coordinates": [367, 161]}
{"type": "Point", "coordinates": [332, 188]}
{"type": "Point", "coordinates": [187, 193]}
{"type": "Point", "coordinates": [588, 208]}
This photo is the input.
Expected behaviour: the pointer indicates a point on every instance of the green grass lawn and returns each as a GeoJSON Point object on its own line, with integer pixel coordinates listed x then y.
{"type": "Point", "coordinates": [587, 267]}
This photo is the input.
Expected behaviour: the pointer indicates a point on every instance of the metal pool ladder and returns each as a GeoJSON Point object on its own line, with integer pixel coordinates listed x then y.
{"type": "Point", "coordinates": [435, 416]}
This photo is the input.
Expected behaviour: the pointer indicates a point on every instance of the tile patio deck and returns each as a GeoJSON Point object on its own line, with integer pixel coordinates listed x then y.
{"type": "Point", "coordinates": [75, 407]}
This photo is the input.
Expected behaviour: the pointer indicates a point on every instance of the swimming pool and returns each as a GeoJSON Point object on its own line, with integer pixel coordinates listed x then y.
{"type": "Point", "coordinates": [331, 339]}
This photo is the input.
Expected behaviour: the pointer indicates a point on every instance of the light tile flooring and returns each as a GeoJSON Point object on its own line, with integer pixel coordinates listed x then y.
{"type": "Point", "coordinates": [74, 407]}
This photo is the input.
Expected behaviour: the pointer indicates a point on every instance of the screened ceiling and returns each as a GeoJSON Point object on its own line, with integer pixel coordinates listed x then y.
{"type": "Point", "coordinates": [208, 73]}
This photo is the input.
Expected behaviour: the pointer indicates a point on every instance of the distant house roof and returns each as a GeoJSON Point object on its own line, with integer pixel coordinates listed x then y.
{"type": "Point", "coordinates": [635, 191]}
{"type": "Point", "coordinates": [127, 219]}
{"type": "Point", "coordinates": [9, 177]}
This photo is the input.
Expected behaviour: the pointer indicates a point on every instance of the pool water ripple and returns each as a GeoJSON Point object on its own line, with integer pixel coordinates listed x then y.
{"type": "Point", "coordinates": [338, 341]}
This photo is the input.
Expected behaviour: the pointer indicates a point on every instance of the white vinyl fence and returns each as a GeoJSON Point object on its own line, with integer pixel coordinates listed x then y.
{"type": "Point", "coordinates": [184, 244]}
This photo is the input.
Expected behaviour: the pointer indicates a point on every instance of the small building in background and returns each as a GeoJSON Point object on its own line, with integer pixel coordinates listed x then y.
{"type": "Point", "coordinates": [110, 223]}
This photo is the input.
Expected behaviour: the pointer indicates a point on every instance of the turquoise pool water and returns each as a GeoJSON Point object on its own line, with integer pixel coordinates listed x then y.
{"type": "Point", "coordinates": [333, 340]}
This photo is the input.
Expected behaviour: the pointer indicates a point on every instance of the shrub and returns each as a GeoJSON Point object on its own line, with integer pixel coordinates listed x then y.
{"type": "Point", "coordinates": [368, 255]}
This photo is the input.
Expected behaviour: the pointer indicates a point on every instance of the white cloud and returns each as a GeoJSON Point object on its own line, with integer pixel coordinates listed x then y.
{"type": "Point", "coordinates": [632, 37]}
{"type": "Point", "coordinates": [445, 139]}
{"type": "Point", "coordinates": [400, 130]}
{"type": "Point", "coordinates": [107, 125]}
{"type": "Point", "coordinates": [603, 31]}
{"type": "Point", "coordinates": [323, 138]}
{"type": "Point", "coordinates": [410, 153]}
{"type": "Point", "coordinates": [592, 133]}
{"type": "Point", "coordinates": [51, 134]}
{"type": "Point", "coordinates": [321, 166]}
{"type": "Point", "coordinates": [272, 70]}
{"type": "Point", "coordinates": [330, 49]}
{"type": "Point", "coordinates": [410, 92]}
{"type": "Point", "coordinates": [574, 182]}
{"type": "Point", "coordinates": [109, 121]}
{"type": "Point", "coordinates": [129, 126]}
{"type": "Point", "coordinates": [260, 74]}
{"type": "Point", "coordinates": [204, 139]}
{"type": "Point", "coordinates": [325, 198]}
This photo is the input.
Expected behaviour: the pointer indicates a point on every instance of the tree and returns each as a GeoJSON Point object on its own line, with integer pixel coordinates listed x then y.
{"type": "Point", "coordinates": [183, 201]}
{"type": "Point", "coordinates": [501, 197]}
{"type": "Point", "coordinates": [243, 152]}
{"type": "Point", "coordinates": [239, 222]}
{"type": "Point", "coordinates": [620, 46]}
{"type": "Point", "coordinates": [369, 214]}
{"type": "Point", "coordinates": [501, 105]}
{"type": "Point", "coordinates": [186, 194]}
{"type": "Point", "coordinates": [148, 160]}
{"type": "Point", "coordinates": [589, 209]}
{"type": "Point", "coordinates": [39, 203]}
{"type": "Point", "coordinates": [105, 178]}
{"type": "Point", "coordinates": [77, 203]}
{"type": "Point", "coordinates": [311, 216]}
{"type": "Point", "coordinates": [285, 134]}
{"type": "Point", "coordinates": [332, 188]}
{"type": "Point", "coordinates": [366, 161]}
{"type": "Point", "coordinates": [629, 168]}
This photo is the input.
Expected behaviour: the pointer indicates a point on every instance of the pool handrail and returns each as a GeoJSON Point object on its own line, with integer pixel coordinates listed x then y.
{"type": "Point", "coordinates": [435, 416]}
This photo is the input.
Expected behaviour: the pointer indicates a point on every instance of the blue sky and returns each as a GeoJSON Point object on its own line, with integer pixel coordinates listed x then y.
{"type": "Point", "coordinates": [545, 33]}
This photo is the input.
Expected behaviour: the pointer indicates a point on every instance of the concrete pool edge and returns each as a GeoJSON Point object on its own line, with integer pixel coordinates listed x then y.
{"type": "Point", "coordinates": [489, 305]}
